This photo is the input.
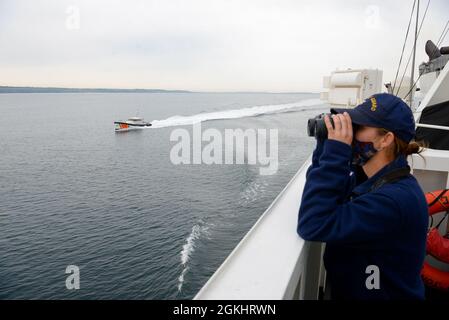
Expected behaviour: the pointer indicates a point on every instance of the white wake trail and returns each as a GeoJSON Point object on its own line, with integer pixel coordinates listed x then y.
{"type": "Point", "coordinates": [189, 247]}
{"type": "Point", "coordinates": [234, 114]}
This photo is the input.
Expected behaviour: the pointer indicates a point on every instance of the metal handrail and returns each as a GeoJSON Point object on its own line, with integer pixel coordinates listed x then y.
{"type": "Point", "coordinates": [431, 126]}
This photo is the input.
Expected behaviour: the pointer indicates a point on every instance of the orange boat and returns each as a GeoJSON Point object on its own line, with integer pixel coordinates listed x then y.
{"type": "Point", "coordinates": [131, 124]}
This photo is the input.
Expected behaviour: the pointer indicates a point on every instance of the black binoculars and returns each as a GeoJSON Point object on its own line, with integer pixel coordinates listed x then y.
{"type": "Point", "coordinates": [316, 127]}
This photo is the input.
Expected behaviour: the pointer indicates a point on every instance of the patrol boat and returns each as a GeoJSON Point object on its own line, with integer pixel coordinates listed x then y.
{"type": "Point", "coordinates": [272, 262]}
{"type": "Point", "coordinates": [131, 124]}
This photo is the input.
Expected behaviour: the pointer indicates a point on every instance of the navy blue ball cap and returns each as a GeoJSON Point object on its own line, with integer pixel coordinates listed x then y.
{"type": "Point", "coordinates": [386, 111]}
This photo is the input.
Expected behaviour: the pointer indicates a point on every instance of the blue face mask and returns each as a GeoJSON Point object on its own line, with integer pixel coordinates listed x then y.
{"type": "Point", "coordinates": [362, 152]}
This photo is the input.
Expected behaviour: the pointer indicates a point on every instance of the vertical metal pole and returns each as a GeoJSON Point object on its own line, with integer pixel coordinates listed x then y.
{"type": "Point", "coordinates": [412, 79]}
{"type": "Point", "coordinates": [311, 276]}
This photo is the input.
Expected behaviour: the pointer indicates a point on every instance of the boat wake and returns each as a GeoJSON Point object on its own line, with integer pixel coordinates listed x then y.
{"type": "Point", "coordinates": [253, 192]}
{"type": "Point", "coordinates": [236, 113]}
{"type": "Point", "coordinates": [197, 231]}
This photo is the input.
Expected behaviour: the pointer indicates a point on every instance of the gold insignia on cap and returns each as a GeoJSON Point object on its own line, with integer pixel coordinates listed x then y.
{"type": "Point", "coordinates": [373, 104]}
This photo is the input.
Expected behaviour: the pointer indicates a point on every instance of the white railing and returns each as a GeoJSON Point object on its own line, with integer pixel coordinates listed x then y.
{"type": "Point", "coordinates": [431, 126]}
{"type": "Point", "coordinates": [272, 261]}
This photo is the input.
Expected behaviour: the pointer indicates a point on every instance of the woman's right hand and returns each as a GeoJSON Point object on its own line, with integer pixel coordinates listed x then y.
{"type": "Point", "coordinates": [343, 128]}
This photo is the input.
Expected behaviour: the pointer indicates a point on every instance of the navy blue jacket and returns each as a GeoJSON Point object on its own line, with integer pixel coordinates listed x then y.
{"type": "Point", "coordinates": [386, 228]}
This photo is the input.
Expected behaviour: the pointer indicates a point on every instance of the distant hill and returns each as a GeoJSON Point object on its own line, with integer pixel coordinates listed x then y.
{"type": "Point", "coordinates": [4, 89]}
{"type": "Point", "coordinates": [7, 89]}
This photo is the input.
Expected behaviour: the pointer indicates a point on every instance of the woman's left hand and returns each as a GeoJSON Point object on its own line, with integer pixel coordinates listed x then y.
{"type": "Point", "coordinates": [343, 128]}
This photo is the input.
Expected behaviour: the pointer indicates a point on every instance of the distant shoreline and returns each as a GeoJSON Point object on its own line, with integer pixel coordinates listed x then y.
{"type": "Point", "coordinates": [8, 89]}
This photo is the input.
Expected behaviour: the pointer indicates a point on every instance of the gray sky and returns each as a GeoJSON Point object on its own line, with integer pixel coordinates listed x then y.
{"type": "Point", "coordinates": [203, 45]}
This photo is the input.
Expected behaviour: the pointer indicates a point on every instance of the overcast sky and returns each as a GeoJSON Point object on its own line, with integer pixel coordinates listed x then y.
{"type": "Point", "coordinates": [203, 45]}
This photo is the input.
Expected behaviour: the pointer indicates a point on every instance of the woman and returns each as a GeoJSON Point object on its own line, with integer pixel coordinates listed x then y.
{"type": "Point", "coordinates": [375, 233]}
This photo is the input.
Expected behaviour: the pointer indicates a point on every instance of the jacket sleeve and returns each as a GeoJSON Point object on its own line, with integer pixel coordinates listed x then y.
{"type": "Point", "coordinates": [324, 215]}
{"type": "Point", "coordinates": [316, 155]}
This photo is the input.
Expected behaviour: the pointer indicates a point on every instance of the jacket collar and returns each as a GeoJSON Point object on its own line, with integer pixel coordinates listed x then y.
{"type": "Point", "coordinates": [364, 187]}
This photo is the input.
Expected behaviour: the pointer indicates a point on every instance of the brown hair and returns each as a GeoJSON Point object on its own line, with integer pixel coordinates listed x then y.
{"type": "Point", "coordinates": [404, 148]}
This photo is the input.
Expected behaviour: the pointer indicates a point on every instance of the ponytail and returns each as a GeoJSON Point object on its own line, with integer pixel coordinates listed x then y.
{"type": "Point", "coordinates": [413, 147]}
{"type": "Point", "coordinates": [400, 147]}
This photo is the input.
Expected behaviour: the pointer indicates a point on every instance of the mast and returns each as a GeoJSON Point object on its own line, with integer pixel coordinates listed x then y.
{"type": "Point", "coordinates": [412, 78]}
